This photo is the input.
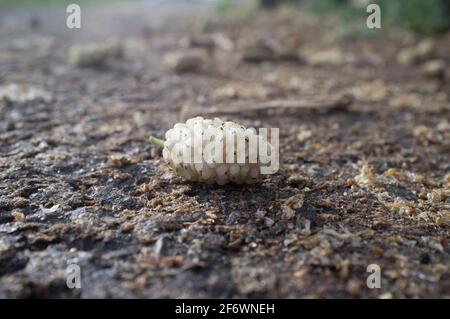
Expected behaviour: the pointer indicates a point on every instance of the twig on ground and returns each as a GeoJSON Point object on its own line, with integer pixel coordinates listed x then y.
{"type": "Point", "coordinates": [323, 104]}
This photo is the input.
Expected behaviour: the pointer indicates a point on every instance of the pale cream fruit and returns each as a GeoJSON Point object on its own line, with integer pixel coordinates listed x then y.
{"type": "Point", "coordinates": [213, 151]}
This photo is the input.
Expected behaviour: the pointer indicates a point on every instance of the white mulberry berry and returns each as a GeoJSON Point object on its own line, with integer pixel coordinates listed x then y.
{"type": "Point", "coordinates": [211, 151]}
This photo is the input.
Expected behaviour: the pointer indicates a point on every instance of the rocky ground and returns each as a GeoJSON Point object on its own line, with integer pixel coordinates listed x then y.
{"type": "Point", "coordinates": [364, 183]}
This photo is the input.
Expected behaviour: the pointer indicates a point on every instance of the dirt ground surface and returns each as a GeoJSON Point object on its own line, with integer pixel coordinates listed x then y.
{"type": "Point", "coordinates": [80, 184]}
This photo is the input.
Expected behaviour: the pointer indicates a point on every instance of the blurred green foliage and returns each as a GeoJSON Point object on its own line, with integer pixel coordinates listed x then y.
{"type": "Point", "coordinates": [224, 6]}
{"type": "Point", "coordinates": [422, 16]}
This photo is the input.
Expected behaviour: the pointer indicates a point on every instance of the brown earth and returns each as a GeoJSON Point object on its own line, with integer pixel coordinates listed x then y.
{"type": "Point", "coordinates": [79, 183]}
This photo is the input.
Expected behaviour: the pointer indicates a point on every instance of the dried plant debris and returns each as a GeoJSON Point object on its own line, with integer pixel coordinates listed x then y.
{"type": "Point", "coordinates": [290, 206]}
{"type": "Point", "coordinates": [434, 69]}
{"type": "Point", "coordinates": [186, 61]}
{"type": "Point", "coordinates": [421, 104]}
{"type": "Point", "coordinates": [424, 50]}
{"type": "Point", "coordinates": [371, 91]}
{"type": "Point", "coordinates": [94, 54]}
{"type": "Point", "coordinates": [241, 91]}
{"type": "Point", "coordinates": [261, 49]}
{"type": "Point", "coordinates": [21, 93]}
{"type": "Point", "coordinates": [210, 42]}
{"type": "Point", "coordinates": [333, 56]}
{"type": "Point", "coordinates": [427, 205]}
{"type": "Point", "coordinates": [366, 178]}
